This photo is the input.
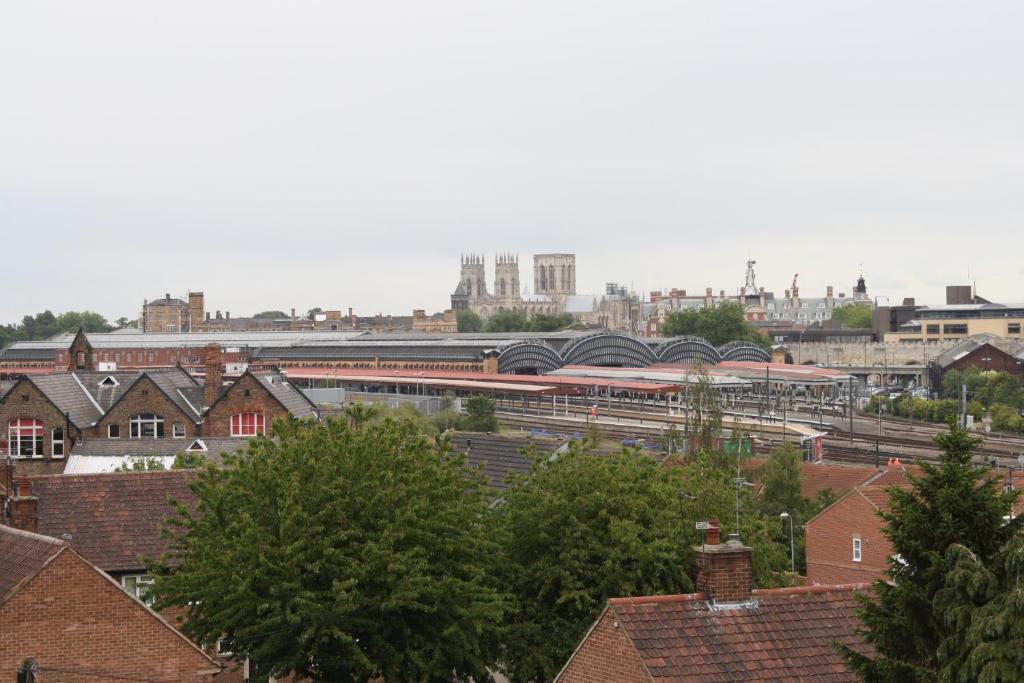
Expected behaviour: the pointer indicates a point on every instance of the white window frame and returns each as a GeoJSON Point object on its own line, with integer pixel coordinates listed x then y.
{"type": "Point", "coordinates": [259, 424]}
{"type": "Point", "coordinates": [222, 644]}
{"type": "Point", "coordinates": [55, 443]}
{"type": "Point", "coordinates": [138, 423]}
{"type": "Point", "coordinates": [15, 437]}
{"type": "Point", "coordinates": [178, 430]}
{"type": "Point", "coordinates": [144, 580]}
{"type": "Point", "coordinates": [858, 549]}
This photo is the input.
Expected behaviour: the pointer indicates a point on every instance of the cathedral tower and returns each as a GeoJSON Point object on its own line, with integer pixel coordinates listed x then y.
{"type": "Point", "coordinates": [506, 276]}
{"type": "Point", "coordinates": [473, 278]}
{"type": "Point", "coordinates": [554, 274]}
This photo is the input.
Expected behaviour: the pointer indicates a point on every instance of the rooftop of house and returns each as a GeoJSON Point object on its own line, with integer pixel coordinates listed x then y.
{"type": "Point", "coordinates": [780, 634]}
{"type": "Point", "coordinates": [22, 556]}
{"type": "Point", "coordinates": [113, 520]}
{"type": "Point", "coordinates": [498, 455]}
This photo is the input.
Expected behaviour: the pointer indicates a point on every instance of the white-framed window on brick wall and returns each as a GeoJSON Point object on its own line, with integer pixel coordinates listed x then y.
{"type": "Point", "coordinates": [856, 549]}
{"type": "Point", "coordinates": [138, 585]}
{"type": "Point", "coordinates": [57, 442]}
{"type": "Point", "coordinates": [146, 426]}
{"type": "Point", "coordinates": [25, 437]}
{"type": "Point", "coordinates": [246, 424]}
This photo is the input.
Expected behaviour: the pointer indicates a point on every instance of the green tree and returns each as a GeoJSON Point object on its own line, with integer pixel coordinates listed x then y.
{"type": "Point", "coordinates": [270, 315]}
{"type": "Point", "coordinates": [508, 321]}
{"type": "Point", "coordinates": [853, 315]}
{"type": "Point", "coordinates": [468, 321]}
{"type": "Point", "coordinates": [312, 313]}
{"type": "Point", "coordinates": [339, 553]}
{"type": "Point", "coordinates": [719, 325]}
{"type": "Point", "coordinates": [981, 608]}
{"type": "Point", "coordinates": [580, 529]}
{"type": "Point", "coordinates": [780, 479]}
{"type": "Point", "coordinates": [704, 413]}
{"type": "Point", "coordinates": [188, 461]}
{"type": "Point", "coordinates": [551, 323]}
{"type": "Point", "coordinates": [952, 503]}
{"type": "Point", "coordinates": [480, 415]}
{"type": "Point", "coordinates": [140, 465]}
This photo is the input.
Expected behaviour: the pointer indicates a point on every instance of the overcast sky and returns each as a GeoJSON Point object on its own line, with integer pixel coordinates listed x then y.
{"type": "Point", "coordinates": [336, 154]}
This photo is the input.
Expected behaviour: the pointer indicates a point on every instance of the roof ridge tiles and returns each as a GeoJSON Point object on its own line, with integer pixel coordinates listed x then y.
{"type": "Point", "coordinates": [758, 592]}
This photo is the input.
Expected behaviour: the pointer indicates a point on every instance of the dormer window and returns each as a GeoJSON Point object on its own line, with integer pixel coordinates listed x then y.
{"type": "Point", "coordinates": [247, 424]}
{"type": "Point", "coordinates": [109, 381]}
{"type": "Point", "coordinates": [146, 427]}
{"type": "Point", "coordinates": [197, 446]}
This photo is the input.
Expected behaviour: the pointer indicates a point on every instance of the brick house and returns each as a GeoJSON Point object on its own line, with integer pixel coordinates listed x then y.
{"type": "Point", "coordinates": [42, 417]}
{"type": "Point", "coordinates": [726, 632]}
{"type": "Point", "coordinates": [76, 623]}
{"type": "Point", "coordinates": [113, 521]}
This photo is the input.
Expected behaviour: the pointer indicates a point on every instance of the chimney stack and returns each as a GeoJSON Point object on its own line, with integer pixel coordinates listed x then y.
{"type": "Point", "coordinates": [24, 507]}
{"type": "Point", "coordinates": [214, 375]}
{"type": "Point", "coordinates": [724, 571]}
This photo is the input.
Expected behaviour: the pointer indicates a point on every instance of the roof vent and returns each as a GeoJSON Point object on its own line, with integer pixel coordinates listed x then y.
{"type": "Point", "coordinates": [109, 381]}
{"type": "Point", "coordinates": [196, 446]}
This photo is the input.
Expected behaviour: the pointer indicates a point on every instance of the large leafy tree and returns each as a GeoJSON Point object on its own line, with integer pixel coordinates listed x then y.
{"type": "Point", "coordinates": [46, 324]}
{"type": "Point", "coordinates": [719, 325]}
{"type": "Point", "coordinates": [853, 315]}
{"type": "Point", "coordinates": [270, 315]}
{"type": "Point", "coordinates": [582, 528]}
{"type": "Point", "coordinates": [508, 321]}
{"type": "Point", "coordinates": [338, 552]}
{"type": "Point", "coordinates": [952, 503]}
{"type": "Point", "coordinates": [468, 321]}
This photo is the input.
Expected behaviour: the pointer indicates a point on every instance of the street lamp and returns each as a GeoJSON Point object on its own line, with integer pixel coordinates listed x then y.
{"type": "Point", "coordinates": [792, 554]}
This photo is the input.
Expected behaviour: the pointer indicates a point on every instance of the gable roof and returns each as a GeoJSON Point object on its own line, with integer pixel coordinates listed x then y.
{"type": "Point", "coordinates": [22, 556]}
{"type": "Point", "coordinates": [498, 455]}
{"type": "Point", "coordinates": [281, 390]}
{"type": "Point", "coordinates": [113, 519]}
{"type": "Point", "coordinates": [66, 392]}
{"type": "Point", "coordinates": [167, 386]}
{"type": "Point", "coordinates": [782, 634]}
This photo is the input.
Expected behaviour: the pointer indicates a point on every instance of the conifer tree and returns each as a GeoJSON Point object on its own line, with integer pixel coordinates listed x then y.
{"type": "Point", "coordinates": [951, 503]}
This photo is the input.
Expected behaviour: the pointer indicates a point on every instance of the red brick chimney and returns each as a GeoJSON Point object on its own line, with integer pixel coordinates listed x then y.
{"type": "Point", "coordinates": [724, 571]}
{"type": "Point", "coordinates": [214, 375]}
{"type": "Point", "coordinates": [24, 507]}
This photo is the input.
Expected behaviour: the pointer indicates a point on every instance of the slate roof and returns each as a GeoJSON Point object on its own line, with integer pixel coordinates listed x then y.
{"type": "Point", "coordinates": [783, 634]}
{"type": "Point", "coordinates": [113, 519]}
{"type": "Point", "coordinates": [1010, 347]}
{"type": "Point", "coordinates": [498, 455]}
{"type": "Point", "coordinates": [289, 396]}
{"type": "Point", "coordinates": [183, 391]}
{"type": "Point", "coordinates": [22, 556]}
{"type": "Point", "coordinates": [66, 392]}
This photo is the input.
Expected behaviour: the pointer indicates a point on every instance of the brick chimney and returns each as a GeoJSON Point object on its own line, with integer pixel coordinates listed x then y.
{"type": "Point", "coordinates": [724, 571]}
{"type": "Point", "coordinates": [24, 507]}
{"type": "Point", "coordinates": [214, 375]}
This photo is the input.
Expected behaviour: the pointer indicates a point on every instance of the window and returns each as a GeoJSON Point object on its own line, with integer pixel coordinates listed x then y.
{"type": "Point", "coordinates": [178, 430]}
{"type": "Point", "coordinates": [25, 437]}
{"type": "Point", "coordinates": [138, 586]}
{"type": "Point", "coordinates": [856, 549]}
{"type": "Point", "coordinates": [954, 329]}
{"type": "Point", "coordinates": [1013, 328]}
{"type": "Point", "coordinates": [113, 431]}
{"type": "Point", "coordinates": [146, 427]}
{"type": "Point", "coordinates": [932, 329]}
{"type": "Point", "coordinates": [57, 442]}
{"type": "Point", "coordinates": [225, 647]}
{"type": "Point", "coordinates": [246, 424]}
{"type": "Point", "coordinates": [128, 357]}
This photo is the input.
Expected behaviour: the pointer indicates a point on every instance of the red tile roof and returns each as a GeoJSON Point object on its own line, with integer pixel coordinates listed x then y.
{"type": "Point", "coordinates": [816, 477]}
{"type": "Point", "coordinates": [782, 634]}
{"type": "Point", "coordinates": [113, 519]}
{"type": "Point", "coordinates": [22, 556]}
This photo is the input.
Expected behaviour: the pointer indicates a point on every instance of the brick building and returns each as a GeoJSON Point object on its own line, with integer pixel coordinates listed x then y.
{"type": "Point", "coordinates": [43, 416]}
{"type": "Point", "coordinates": [76, 623]}
{"type": "Point", "coordinates": [726, 632]}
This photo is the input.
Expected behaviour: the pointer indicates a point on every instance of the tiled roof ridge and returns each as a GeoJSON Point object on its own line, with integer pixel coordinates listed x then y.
{"type": "Point", "coordinates": [42, 538]}
{"type": "Point", "coordinates": [110, 475]}
{"type": "Point", "coordinates": [758, 592]}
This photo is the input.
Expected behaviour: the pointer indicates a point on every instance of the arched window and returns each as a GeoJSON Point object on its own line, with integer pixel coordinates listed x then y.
{"type": "Point", "coordinates": [146, 426]}
{"type": "Point", "coordinates": [543, 279]}
{"type": "Point", "coordinates": [551, 278]}
{"type": "Point", "coordinates": [501, 285]}
{"type": "Point", "coordinates": [246, 424]}
{"type": "Point", "coordinates": [25, 437]}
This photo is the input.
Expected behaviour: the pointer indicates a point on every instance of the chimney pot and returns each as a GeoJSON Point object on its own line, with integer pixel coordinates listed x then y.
{"type": "Point", "coordinates": [713, 537]}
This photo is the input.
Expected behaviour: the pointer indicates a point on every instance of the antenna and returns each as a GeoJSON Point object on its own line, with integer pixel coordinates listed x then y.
{"type": "Point", "coordinates": [739, 483]}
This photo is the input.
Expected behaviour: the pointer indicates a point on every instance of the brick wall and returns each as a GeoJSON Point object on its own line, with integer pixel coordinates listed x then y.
{"type": "Point", "coordinates": [606, 655]}
{"type": "Point", "coordinates": [830, 543]}
{"type": "Point", "coordinates": [26, 401]}
{"type": "Point", "coordinates": [724, 572]}
{"type": "Point", "coordinates": [70, 617]}
{"type": "Point", "coordinates": [247, 395]}
{"type": "Point", "coordinates": [144, 397]}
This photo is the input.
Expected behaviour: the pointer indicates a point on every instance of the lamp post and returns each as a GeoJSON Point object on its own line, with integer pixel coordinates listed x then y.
{"type": "Point", "coordinates": [792, 553]}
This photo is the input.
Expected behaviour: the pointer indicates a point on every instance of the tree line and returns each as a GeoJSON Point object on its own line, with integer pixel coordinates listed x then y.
{"type": "Point", "coordinates": [45, 325]}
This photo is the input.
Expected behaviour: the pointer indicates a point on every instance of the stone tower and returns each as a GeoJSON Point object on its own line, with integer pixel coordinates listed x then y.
{"type": "Point", "coordinates": [473, 277]}
{"type": "Point", "coordinates": [506, 276]}
{"type": "Point", "coordinates": [554, 274]}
